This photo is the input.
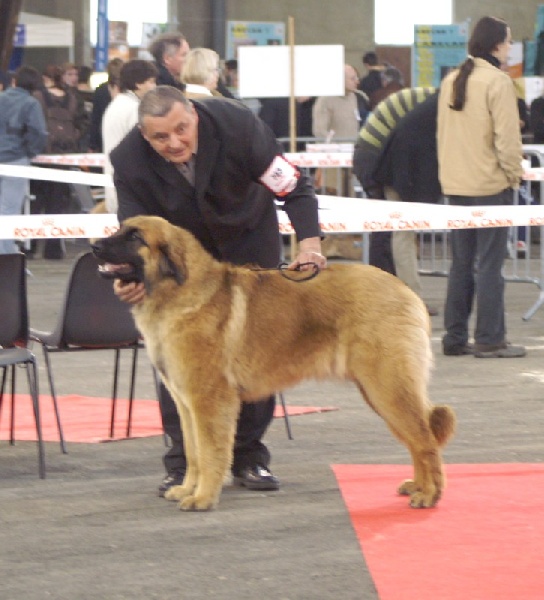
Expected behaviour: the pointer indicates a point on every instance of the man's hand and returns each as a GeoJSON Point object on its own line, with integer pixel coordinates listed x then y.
{"type": "Point", "coordinates": [133, 293]}
{"type": "Point", "coordinates": [309, 251]}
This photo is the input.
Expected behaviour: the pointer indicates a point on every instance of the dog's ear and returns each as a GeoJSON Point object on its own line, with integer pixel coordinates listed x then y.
{"type": "Point", "coordinates": [167, 267]}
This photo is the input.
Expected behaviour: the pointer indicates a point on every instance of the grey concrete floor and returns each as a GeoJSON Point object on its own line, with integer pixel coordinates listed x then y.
{"type": "Point", "coordinates": [95, 528]}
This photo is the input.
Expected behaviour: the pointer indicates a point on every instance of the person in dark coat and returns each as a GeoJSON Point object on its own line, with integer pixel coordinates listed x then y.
{"type": "Point", "coordinates": [372, 81]}
{"type": "Point", "coordinates": [169, 51]}
{"type": "Point", "coordinates": [214, 168]}
{"type": "Point", "coordinates": [102, 96]}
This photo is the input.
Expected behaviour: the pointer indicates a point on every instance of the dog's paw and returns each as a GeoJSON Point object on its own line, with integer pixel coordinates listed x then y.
{"type": "Point", "coordinates": [418, 498]}
{"type": "Point", "coordinates": [421, 500]}
{"type": "Point", "coordinates": [196, 503]}
{"type": "Point", "coordinates": [407, 488]}
{"type": "Point", "coordinates": [178, 492]}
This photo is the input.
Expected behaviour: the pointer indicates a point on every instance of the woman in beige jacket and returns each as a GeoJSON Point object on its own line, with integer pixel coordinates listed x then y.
{"type": "Point", "coordinates": [479, 156]}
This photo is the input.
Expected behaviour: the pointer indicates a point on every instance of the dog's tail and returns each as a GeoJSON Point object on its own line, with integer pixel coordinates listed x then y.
{"type": "Point", "coordinates": [442, 421]}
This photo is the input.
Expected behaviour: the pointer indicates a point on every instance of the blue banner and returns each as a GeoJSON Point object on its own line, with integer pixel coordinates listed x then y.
{"type": "Point", "coordinates": [19, 36]}
{"type": "Point", "coordinates": [437, 49]}
{"type": "Point", "coordinates": [101, 51]}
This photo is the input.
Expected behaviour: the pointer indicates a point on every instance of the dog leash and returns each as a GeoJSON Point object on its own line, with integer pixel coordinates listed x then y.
{"type": "Point", "coordinates": [282, 268]}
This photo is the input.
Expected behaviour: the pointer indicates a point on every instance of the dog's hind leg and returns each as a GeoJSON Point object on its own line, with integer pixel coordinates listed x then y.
{"type": "Point", "coordinates": [214, 417]}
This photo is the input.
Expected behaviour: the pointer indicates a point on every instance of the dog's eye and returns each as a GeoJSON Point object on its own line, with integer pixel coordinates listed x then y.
{"type": "Point", "coordinates": [134, 236]}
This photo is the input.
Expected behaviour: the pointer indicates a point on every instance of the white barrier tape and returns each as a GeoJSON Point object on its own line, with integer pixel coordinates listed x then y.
{"type": "Point", "coordinates": [96, 179]}
{"type": "Point", "coordinates": [324, 160]}
{"type": "Point", "coordinates": [336, 215]}
{"type": "Point", "coordinates": [75, 160]}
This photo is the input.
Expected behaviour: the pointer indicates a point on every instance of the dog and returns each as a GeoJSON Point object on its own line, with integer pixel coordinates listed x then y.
{"type": "Point", "coordinates": [220, 335]}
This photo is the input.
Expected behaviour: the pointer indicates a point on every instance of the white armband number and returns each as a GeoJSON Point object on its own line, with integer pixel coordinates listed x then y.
{"type": "Point", "coordinates": [280, 177]}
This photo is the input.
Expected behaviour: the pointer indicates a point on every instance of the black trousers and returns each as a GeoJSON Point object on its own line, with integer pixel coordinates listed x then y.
{"type": "Point", "coordinates": [380, 251]}
{"type": "Point", "coordinates": [249, 450]}
{"type": "Point", "coordinates": [260, 246]}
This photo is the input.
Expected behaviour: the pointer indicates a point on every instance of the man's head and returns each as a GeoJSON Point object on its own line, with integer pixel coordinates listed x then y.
{"type": "Point", "coordinates": [392, 75]}
{"type": "Point", "coordinates": [169, 123]}
{"type": "Point", "coordinates": [138, 76]}
{"type": "Point", "coordinates": [351, 78]}
{"type": "Point", "coordinates": [170, 51]}
{"type": "Point", "coordinates": [28, 78]}
{"type": "Point", "coordinates": [370, 59]}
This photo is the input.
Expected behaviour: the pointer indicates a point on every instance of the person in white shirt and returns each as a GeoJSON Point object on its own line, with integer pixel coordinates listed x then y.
{"type": "Point", "coordinates": [136, 78]}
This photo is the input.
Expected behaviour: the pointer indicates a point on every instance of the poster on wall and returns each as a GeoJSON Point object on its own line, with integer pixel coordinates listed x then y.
{"type": "Point", "coordinates": [437, 49]}
{"type": "Point", "coordinates": [247, 33]}
{"type": "Point", "coordinates": [118, 40]}
{"type": "Point", "coordinates": [151, 30]}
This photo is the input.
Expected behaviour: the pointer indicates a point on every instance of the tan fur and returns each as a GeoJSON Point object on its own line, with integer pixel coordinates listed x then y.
{"type": "Point", "coordinates": [228, 334]}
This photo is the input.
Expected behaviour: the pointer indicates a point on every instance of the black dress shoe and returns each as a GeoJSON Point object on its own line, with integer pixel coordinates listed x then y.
{"type": "Point", "coordinates": [459, 350]}
{"type": "Point", "coordinates": [256, 477]}
{"type": "Point", "coordinates": [172, 479]}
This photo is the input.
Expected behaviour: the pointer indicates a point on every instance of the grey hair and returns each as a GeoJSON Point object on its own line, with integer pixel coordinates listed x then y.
{"type": "Point", "coordinates": [159, 102]}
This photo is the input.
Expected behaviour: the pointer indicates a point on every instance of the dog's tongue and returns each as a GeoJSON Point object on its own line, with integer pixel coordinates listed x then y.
{"type": "Point", "coordinates": [110, 268]}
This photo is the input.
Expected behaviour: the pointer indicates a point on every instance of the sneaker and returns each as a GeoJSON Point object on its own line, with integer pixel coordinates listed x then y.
{"type": "Point", "coordinates": [503, 350]}
{"type": "Point", "coordinates": [459, 350]}
{"type": "Point", "coordinates": [172, 479]}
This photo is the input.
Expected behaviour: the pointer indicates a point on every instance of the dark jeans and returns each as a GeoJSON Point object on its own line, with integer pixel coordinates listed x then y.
{"type": "Point", "coordinates": [476, 272]}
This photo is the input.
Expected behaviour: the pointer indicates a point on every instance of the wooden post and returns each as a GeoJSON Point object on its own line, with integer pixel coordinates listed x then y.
{"type": "Point", "coordinates": [9, 9]}
{"type": "Point", "coordinates": [292, 108]}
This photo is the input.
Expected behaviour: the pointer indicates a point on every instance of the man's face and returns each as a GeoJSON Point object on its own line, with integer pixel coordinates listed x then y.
{"type": "Point", "coordinates": [174, 62]}
{"type": "Point", "coordinates": [174, 136]}
{"type": "Point", "coordinates": [351, 79]}
{"type": "Point", "coordinates": [142, 88]}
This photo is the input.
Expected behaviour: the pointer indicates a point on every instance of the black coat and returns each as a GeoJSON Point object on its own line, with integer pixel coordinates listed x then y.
{"type": "Point", "coordinates": [229, 210]}
{"type": "Point", "coordinates": [408, 162]}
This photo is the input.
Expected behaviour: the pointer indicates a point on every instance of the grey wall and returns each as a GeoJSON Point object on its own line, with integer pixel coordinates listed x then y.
{"type": "Point", "coordinates": [347, 22]}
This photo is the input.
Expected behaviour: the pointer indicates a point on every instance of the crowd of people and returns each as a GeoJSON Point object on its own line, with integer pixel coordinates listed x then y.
{"type": "Point", "coordinates": [171, 129]}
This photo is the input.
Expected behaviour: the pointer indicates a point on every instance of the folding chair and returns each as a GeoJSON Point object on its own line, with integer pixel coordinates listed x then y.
{"type": "Point", "coordinates": [13, 342]}
{"type": "Point", "coordinates": [92, 318]}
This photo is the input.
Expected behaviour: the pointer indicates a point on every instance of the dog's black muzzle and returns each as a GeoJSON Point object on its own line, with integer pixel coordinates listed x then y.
{"type": "Point", "coordinates": [118, 256]}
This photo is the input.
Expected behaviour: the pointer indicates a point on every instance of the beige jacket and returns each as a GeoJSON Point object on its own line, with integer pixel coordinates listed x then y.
{"type": "Point", "coordinates": [479, 147]}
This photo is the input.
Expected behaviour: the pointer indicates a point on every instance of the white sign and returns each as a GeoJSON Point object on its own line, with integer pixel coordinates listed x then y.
{"type": "Point", "coordinates": [264, 71]}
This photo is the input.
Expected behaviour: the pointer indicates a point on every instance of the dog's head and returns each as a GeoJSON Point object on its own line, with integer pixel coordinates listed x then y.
{"type": "Point", "coordinates": [144, 249]}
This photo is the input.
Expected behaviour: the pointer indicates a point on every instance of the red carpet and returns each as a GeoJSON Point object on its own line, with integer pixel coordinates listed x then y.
{"type": "Point", "coordinates": [483, 541]}
{"type": "Point", "coordinates": [87, 420]}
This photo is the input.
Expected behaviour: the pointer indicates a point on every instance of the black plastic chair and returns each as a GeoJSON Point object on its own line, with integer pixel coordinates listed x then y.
{"type": "Point", "coordinates": [13, 342]}
{"type": "Point", "coordinates": [92, 318]}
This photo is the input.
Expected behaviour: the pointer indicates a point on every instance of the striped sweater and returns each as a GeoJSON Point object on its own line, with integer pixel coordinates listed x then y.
{"type": "Point", "coordinates": [378, 127]}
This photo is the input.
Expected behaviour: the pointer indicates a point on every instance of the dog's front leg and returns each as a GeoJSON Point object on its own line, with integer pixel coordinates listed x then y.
{"type": "Point", "coordinates": [214, 417]}
{"type": "Point", "coordinates": [178, 492]}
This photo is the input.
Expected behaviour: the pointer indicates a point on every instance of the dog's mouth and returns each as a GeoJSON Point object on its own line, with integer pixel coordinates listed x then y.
{"type": "Point", "coordinates": [123, 271]}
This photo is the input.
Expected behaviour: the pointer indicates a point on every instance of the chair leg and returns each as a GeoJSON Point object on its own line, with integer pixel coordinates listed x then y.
{"type": "Point", "coordinates": [2, 387]}
{"type": "Point", "coordinates": [32, 376]}
{"type": "Point", "coordinates": [12, 419]}
{"type": "Point", "coordinates": [114, 392]}
{"type": "Point", "coordinates": [132, 386]}
{"type": "Point", "coordinates": [54, 397]}
{"type": "Point", "coordinates": [285, 415]}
